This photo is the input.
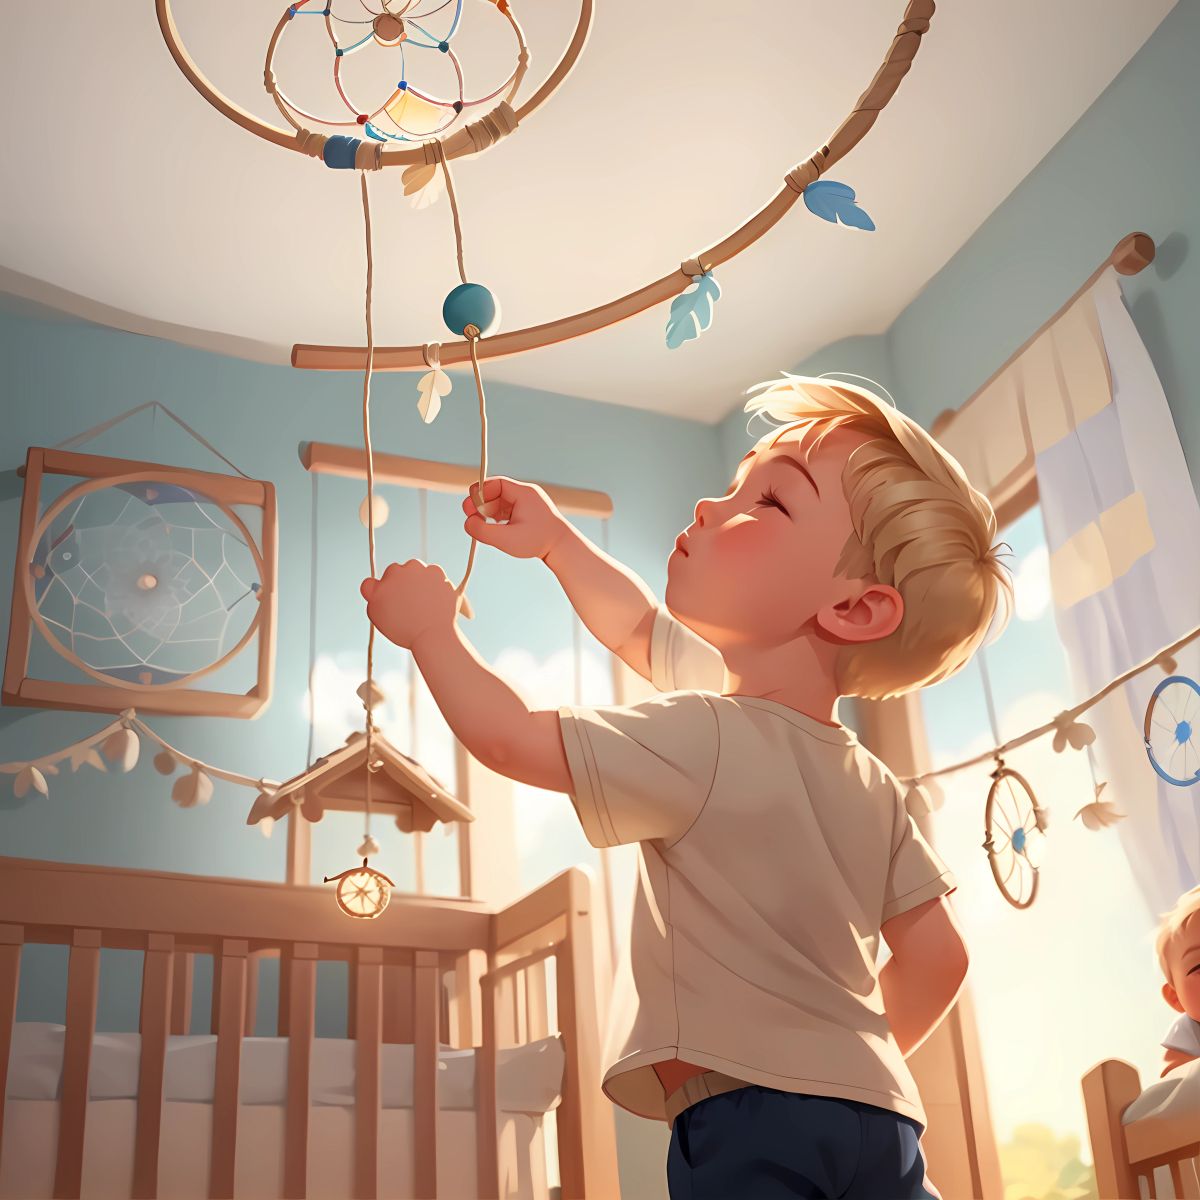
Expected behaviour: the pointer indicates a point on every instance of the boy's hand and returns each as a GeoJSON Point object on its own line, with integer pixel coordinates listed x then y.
{"type": "Point", "coordinates": [409, 601]}
{"type": "Point", "coordinates": [532, 522]}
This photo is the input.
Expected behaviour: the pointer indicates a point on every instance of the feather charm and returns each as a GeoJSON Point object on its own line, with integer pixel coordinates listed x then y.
{"type": "Point", "coordinates": [433, 385]}
{"type": "Point", "coordinates": [1067, 730]}
{"type": "Point", "coordinates": [422, 184]}
{"type": "Point", "coordinates": [834, 202]}
{"type": "Point", "coordinates": [692, 310]}
{"type": "Point", "coordinates": [1100, 813]}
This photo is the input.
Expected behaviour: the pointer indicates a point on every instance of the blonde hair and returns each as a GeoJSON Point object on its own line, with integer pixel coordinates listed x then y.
{"type": "Point", "coordinates": [1186, 907]}
{"type": "Point", "coordinates": [918, 526]}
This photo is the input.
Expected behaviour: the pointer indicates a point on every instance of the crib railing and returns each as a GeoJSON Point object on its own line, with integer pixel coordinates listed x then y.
{"type": "Point", "coordinates": [428, 970]}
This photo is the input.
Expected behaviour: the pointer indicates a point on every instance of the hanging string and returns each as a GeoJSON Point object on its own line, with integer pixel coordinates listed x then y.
{"type": "Point", "coordinates": [312, 623]}
{"type": "Point", "coordinates": [472, 334]}
{"type": "Point", "coordinates": [155, 407]}
{"type": "Point", "coordinates": [987, 695]}
{"type": "Point", "coordinates": [370, 452]}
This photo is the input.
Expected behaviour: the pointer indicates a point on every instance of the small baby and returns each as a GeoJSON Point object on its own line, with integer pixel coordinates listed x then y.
{"type": "Point", "coordinates": [1178, 946]}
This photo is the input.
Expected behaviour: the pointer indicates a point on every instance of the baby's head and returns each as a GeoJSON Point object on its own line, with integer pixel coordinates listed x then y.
{"type": "Point", "coordinates": [1178, 946]}
{"type": "Point", "coordinates": [876, 548]}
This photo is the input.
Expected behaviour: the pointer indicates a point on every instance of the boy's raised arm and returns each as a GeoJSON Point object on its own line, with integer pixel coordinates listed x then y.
{"type": "Point", "coordinates": [610, 599]}
{"type": "Point", "coordinates": [615, 605]}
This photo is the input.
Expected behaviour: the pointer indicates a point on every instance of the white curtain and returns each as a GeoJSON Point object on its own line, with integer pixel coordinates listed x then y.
{"type": "Point", "coordinates": [1123, 530]}
{"type": "Point", "coordinates": [1083, 408]}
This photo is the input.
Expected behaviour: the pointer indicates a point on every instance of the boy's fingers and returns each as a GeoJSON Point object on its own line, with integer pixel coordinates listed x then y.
{"type": "Point", "coordinates": [480, 530]}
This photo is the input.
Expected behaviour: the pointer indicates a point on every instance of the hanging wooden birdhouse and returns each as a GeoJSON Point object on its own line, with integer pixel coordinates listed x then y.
{"type": "Point", "coordinates": [400, 788]}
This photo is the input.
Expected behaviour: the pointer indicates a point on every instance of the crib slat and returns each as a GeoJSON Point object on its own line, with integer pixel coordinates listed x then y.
{"type": "Point", "coordinates": [302, 995]}
{"type": "Point", "coordinates": [229, 1004]}
{"type": "Point", "coordinates": [426, 1000]}
{"type": "Point", "coordinates": [368, 1034]}
{"type": "Point", "coordinates": [154, 1025]}
{"type": "Point", "coordinates": [181, 994]}
{"type": "Point", "coordinates": [536, 1007]}
{"type": "Point", "coordinates": [487, 1152]}
{"type": "Point", "coordinates": [251, 995]}
{"type": "Point", "coordinates": [83, 978]}
{"type": "Point", "coordinates": [12, 937]}
{"type": "Point", "coordinates": [398, 1004]}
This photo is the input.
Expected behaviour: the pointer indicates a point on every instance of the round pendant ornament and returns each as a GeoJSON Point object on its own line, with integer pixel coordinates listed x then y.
{"type": "Point", "coordinates": [362, 892]}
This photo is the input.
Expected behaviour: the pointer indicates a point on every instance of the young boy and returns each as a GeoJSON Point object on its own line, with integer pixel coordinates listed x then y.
{"type": "Point", "coordinates": [1178, 946]}
{"type": "Point", "coordinates": [849, 557]}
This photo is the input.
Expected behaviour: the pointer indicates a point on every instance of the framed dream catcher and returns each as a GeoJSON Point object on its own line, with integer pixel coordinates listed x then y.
{"type": "Point", "coordinates": [142, 586]}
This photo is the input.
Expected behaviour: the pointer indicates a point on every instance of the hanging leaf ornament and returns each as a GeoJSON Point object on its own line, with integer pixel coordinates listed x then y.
{"type": "Point", "coordinates": [30, 777]}
{"type": "Point", "coordinates": [1100, 813]}
{"type": "Point", "coordinates": [86, 756]}
{"type": "Point", "coordinates": [164, 762]}
{"type": "Point", "coordinates": [123, 747]}
{"type": "Point", "coordinates": [192, 790]}
{"type": "Point", "coordinates": [433, 385]}
{"type": "Point", "coordinates": [423, 184]}
{"type": "Point", "coordinates": [834, 202]}
{"type": "Point", "coordinates": [266, 825]}
{"type": "Point", "coordinates": [1067, 730]}
{"type": "Point", "coordinates": [692, 310]}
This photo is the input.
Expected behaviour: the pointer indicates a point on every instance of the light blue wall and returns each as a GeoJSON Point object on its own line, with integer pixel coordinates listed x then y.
{"type": "Point", "coordinates": [1130, 163]}
{"type": "Point", "coordinates": [60, 379]}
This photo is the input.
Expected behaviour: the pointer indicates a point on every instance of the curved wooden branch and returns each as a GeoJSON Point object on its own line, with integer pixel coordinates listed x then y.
{"type": "Point", "coordinates": [895, 66]}
{"type": "Point", "coordinates": [305, 142]}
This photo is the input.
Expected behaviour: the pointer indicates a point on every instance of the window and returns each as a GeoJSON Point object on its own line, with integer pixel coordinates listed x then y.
{"type": "Point", "coordinates": [1073, 979]}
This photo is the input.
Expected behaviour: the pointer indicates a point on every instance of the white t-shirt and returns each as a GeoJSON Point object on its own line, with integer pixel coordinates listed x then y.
{"type": "Point", "coordinates": [772, 849]}
{"type": "Point", "coordinates": [1184, 1035]}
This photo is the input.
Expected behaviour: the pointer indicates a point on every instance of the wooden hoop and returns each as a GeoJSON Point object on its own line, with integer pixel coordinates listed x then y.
{"type": "Point", "coordinates": [848, 134]}
{"type": "Point", "coordinates": [998, 777]}
{"type": "Point", "coordinates": [458, 144]}
{"type": "Point", "coordinates": [184, 480]}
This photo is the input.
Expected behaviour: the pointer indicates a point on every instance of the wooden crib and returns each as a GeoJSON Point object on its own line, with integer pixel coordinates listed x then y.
{"type": "Point", "coordinates": [1129, 1157]}
{"type": "Point", "coordinates": [428, 971]}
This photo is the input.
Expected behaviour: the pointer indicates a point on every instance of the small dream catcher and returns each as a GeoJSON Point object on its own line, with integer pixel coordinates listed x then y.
{"type": "Point", "coordinates": [362, 891]}
{"type": "Point", "coordinates": [136, 582]}
{"type": "Point", "coordinates": [1014, 835]}
{"type": "Point", "coordinates": [1171, 728]}
{"type": "Point", "coordinates": [1014, 824]}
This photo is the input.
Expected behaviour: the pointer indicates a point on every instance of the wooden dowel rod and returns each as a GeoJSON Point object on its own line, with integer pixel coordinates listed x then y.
{"type": "Point", "coordinates": [301, 966]}
{"type": "Point", "coordinates": [1133, 253]}
{"type": "Point", "coordinates": [83, 980]}
{"type": "Point", "coordinates": [351, 463]}
{"type": "Point", "coordinates": [426, 983]}
{"type": "Point", "coordinates": [157, 970]}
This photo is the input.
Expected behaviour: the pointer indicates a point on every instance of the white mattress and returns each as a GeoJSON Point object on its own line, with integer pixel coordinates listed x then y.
{"type": "Point", "coordinates": [528, 1078]}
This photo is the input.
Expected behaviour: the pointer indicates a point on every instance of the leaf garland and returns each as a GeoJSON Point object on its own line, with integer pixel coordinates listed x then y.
{"type": "Point", "coordinates": [433, 386]}
{"type": "Point", "coordinates": [834, 202]}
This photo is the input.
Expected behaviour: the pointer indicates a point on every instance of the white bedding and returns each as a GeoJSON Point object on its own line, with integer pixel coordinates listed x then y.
{"type": "Point", "coordinates": [528, 1087]}
{"type": "Point", "coordinates": [528, 1078]}
{"type": "Point", "coordinates": [1171, 1105]}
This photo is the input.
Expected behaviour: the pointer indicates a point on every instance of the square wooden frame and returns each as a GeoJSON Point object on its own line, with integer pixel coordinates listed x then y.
{"type": "Point", "coordinates": [20, 689]}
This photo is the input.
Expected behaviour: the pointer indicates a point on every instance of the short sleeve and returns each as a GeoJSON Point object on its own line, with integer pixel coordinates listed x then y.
{"type": "Point", "coordinates": [680, 658]}
{"type": "Point", "coordinates": [642, 771]}
{"type": "Point", "coordinates": [1184, 1036]}
{"type": "Point", "coordinates": [916, 873]}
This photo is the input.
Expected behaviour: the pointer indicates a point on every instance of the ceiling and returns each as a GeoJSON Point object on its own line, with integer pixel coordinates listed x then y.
{"type": "Point", "coordinates": [156, 214]}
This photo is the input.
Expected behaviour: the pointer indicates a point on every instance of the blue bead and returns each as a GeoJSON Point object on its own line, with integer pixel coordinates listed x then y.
{"type": "Point", "coordinates": [340, 151]}
{"type": "Point", "coordinates": [444, 47]}
{"type": "Point", "coordinates": [337, 53]}
{"type": "Point", "coordinates": [291, 12]}
{"type": "Point", "coordinates": [403, 85]}
{"type": "Point", "coordinates": [471, 304]}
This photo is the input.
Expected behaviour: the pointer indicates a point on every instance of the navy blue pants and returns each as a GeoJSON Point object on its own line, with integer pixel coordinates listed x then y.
{"type": "Point", "coordinates": [757, 1143]}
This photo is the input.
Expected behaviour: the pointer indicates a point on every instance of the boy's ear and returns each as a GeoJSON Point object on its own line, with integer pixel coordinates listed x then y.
{"type": "Point", "coordinates": [1171, 997]}
{"type": "Point", "coordinates": [875, 613]}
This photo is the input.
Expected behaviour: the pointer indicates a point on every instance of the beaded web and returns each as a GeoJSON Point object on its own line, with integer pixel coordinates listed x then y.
{"type": "Point", "coordinates": [410, 31]}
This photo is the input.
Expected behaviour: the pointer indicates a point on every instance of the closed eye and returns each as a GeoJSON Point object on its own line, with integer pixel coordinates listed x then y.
{"type": "Point", "coordinates": [770, 498]}
{"type": "Point", "coordinates": [1194, 969]}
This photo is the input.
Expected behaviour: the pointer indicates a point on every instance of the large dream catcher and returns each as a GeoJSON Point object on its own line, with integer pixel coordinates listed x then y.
{"type": "Point", "coordinates": [424, 127]}
{"type": "Point", "coordinates": [135, 583]}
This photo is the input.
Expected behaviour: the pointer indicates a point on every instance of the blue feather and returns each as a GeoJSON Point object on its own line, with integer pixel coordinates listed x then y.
{"type": "Point", "coordinates": [692, 310]}
{"type": "Point", "coordinates": [832, 201]}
